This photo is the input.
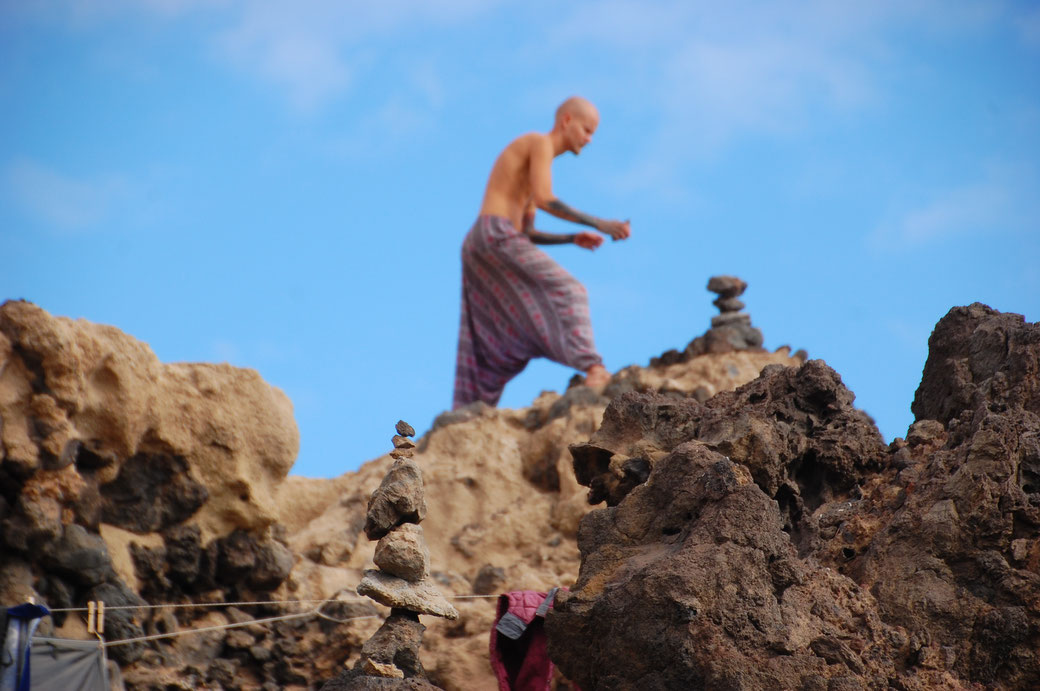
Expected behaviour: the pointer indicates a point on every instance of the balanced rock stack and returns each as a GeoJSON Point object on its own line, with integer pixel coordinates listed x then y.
{"type": "Point", "coordinates": [731, 329]}
{"type": "Point", "coordinates": [395, 510]}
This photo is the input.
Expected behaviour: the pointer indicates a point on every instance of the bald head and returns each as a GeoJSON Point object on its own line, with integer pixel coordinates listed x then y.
{"type": "Point", "coordinates": [576, 106]}
{"type": "Point", "coordinates": [576, 122]}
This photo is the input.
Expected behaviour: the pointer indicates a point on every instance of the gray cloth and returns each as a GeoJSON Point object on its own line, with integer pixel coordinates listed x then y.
{"type": "Point", "coordinates": [22, 621]}
{"type": "Point", "coordinates": [69, 665]}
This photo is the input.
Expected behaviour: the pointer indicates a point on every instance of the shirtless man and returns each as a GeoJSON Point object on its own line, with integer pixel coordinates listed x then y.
{"type": "Point", "coordinates": [517, 303]}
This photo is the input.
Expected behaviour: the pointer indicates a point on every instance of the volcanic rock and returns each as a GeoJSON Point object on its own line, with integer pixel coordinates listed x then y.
{"type": "Point", "coordinates": [778, 543]}
{"type": "Point", "coordinates": [396, 644]}
{"type": "Point", "coordinates": [977, 355]}
{"type": "Point", "coordinates": [710, 589]}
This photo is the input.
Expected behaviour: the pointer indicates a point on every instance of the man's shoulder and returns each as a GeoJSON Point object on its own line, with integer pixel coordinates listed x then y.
{"type": "Point", "coordinates": [526, 143]}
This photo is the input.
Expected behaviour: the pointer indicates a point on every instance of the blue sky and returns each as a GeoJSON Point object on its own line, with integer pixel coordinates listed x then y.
{"type": "Point", "coordinates": [285, 186]}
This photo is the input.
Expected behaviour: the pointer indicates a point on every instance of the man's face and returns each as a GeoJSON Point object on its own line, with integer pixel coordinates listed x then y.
{"type": "Point", "coordinates": [580, 128]}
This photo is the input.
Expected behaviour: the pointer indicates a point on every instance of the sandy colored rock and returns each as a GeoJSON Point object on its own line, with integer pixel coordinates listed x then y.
{"type": "Point", "coordinates": [220, 427]}
{"type": "Point", "coordinates": [403, 553]}
{"type": "Point", "coordinates": [380, 669]}
{"type": "Point", "coordinates": [401, 442]}
{"type": "Point", "coordinates": [392, 591]}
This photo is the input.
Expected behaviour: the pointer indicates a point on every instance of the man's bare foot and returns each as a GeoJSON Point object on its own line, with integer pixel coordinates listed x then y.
{"type": "Point", "coordinates": [597, 377]}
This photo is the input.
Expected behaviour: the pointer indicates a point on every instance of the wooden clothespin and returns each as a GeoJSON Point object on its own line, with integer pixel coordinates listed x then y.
{"type": "Point", "coordinates": [90, 617]}
{"type": "Point", "coordinates": [101, 617]}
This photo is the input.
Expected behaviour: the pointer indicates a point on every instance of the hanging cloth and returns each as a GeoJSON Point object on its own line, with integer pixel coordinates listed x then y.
{"type": "Point", "coordinates": [69, 665]}
{"type": "Point", "coordinates": [22, 621]}
{"type": "Point", "coordinates": [519, 652]}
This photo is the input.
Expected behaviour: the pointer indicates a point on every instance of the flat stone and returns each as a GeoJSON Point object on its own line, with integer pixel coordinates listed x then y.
{"type": "Point", "coordinates": [392, 591]}
{"type": "Point", "coordinates": [404, 429]}
{"type": "Point", "coordinates": [399, 499]}
{"type": "Point", "coordinates": [403, 553]}
{"type": "Point", "coordinates": [402, 442]}
{"type": "Point", "coordinates": [731, 318]}
{"type": "Point", "coordinates": [728, 304]}
{"type": "Point", "coordinates": [727, 286]}
{"type": "Point", "coordinates": [397, 454]}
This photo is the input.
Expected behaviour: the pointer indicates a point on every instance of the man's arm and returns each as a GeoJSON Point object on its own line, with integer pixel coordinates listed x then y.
{"type": "Point", "coordinates": [541, 238]}
{"type": "Point", "coordinates": [544, 199]}
{"type": "Point", "coordinates": [589, 241]}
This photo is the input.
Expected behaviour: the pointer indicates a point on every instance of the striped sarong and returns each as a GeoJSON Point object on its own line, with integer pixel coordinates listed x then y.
{"type": "Point", "coordinates": [517, 304]}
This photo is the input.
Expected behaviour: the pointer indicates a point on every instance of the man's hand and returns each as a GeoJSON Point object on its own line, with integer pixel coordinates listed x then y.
{"type": "Point", "coordinates": [589, 241]}
{"type": "Point", "coordinates": [617, 230]}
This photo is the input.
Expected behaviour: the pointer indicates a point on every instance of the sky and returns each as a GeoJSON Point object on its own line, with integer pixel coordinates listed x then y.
{"type": "Point", "coordinates": [285, 186]}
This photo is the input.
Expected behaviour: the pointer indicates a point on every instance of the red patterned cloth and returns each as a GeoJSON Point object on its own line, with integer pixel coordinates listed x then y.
{"type": "Point", "coordinates": [517, 304]}
{"type": "Point", "coordinates": [519, 654]}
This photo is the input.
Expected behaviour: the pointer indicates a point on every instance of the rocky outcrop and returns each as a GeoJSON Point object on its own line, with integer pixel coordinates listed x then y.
{"type": "Point", "coordinates": [768, 539]}
{"type": "Point", "coordinates": [148, 445]}
{"type": "Point", "coordinates": [122, 477]}
{"type": "Point", "coordinates": [503, 508]}
{"type": "Point", "coordinates": [168, 488]}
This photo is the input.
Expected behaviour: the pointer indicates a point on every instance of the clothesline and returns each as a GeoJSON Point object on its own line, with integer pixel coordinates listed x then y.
{"type": "Point", "coordinates": [218, 627]}
{"type": "Point", "coordinates": [196, 604]}
{"type": "Point", "coordinates": [356, 598]}
{"type": "Point", "coordinates": [268, 620]}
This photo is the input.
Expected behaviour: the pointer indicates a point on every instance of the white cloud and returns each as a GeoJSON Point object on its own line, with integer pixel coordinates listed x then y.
{"type": "Point", "coordinates": [314, 50]}
{"type": "Point", "coordinates": [1003, 201]}
{"type": "Point", "coordinates": [62, 201]}
{"type": "Point", "coordinates": [1029, 28]}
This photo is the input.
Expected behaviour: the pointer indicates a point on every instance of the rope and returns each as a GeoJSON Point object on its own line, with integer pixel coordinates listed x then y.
{"type": "Point", "coordinates": [109, 608]}
{"type": "Point", "coordinates": [198, 604]}
{"type": "Point", "coordinates": [269, 620]}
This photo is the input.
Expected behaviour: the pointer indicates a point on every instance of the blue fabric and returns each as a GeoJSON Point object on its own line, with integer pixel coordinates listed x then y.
{"type": "Point", "coordinates": [22, 621]}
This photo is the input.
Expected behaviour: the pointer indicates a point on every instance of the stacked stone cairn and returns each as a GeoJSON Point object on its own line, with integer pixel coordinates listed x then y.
{"type": "Point", "coordinates": [730, 330]}
{"type": "Point", "coordinates": [390, 658]}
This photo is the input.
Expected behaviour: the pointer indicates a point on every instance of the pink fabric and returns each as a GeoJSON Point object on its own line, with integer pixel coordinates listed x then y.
{"type": "Point", "coordinates": [517, 304]}
{"type": "Point", "coordinates": [524, 664]}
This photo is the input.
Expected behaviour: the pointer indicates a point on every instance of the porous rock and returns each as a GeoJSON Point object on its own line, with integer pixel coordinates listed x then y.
{"type": "Point", "coordinates": [913, 565]}
{"type": "Point", "coordinates": [824, 446]}
{"type": "Point", "coordinates": [710, 589]}
{"type": "Point", "coordinates": [164, 442]}
{"type": "Point", "coordinates": [977, 354]}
